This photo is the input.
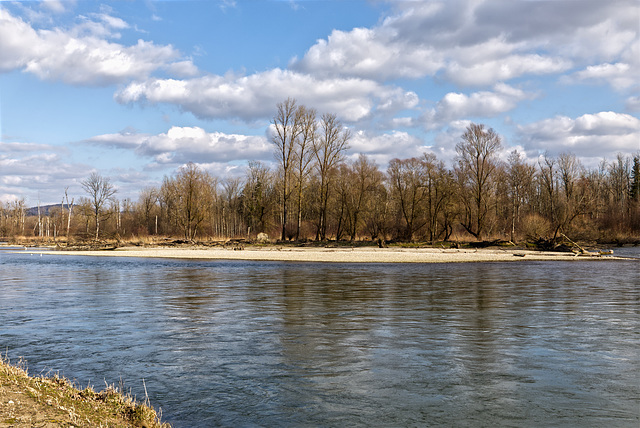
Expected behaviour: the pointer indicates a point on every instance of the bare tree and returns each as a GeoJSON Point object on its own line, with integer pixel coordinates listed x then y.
{"type": "Point", "coordinates": [147, 203]}
{"type": "Point", "coordinates": [69, 210]}
{"type": "Point", "coordinates": [376, 217]}
{"type": "Point", "coordinates": [189, 196]}
{"type": "Point", "coordinates": [39, 225]}
{"type": "Point", "coordinates": [366, 178]}
{"type": "Point", "coordinates": [438, 184]}
{"type": "Point", "coordinates": [328, 149]}
{"type": "Point", "coordinates": [232, 202]}
{"type": "Point", "coordinates": [100, 191]}
{"type": "Point", "coordinates": [519, 177]}
{"type": "Point", "coordinates": [572, 202]}
{"type": "Point", "coordinates": [620, 180]}
{"type": "Point", "coordinates": [355, 185]}
{"type": "Point", "coordinates": [569, 168]}
{"type": "Point", "coordinates": [303, 158]}
{"type": "Point", "coordinates": [406, 178]}
{"type": "Point", "coordinates": [561, 201]}
{"type": "Point", "coordinates": [477, 162]}
{"type": "Point", "coordinates": [19, 209]}
{"type": "Point", "coordinates": [548, 174]}
{"type": "Point", "coordinates": [287, 126]}
{"type": "Point", "coordinates": [258, 196]}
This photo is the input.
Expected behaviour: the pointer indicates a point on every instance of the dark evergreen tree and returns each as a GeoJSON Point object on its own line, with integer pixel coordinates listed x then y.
{"type": "Point", "coordinates": [635, 179]}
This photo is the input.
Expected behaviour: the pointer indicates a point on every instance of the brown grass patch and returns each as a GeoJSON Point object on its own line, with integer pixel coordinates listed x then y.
{"type": "Point", "coordinates": [27, 401]}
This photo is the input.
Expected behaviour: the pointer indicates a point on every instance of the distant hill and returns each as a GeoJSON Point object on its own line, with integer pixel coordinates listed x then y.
{"type": "Point", "coordinates": [44, 210]}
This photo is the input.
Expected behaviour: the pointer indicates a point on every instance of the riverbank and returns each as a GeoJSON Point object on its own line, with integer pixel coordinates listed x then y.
{"type": "Point", "coordinates": [334, 255]}
{"type": "Point", "coordinates": [29, 401]}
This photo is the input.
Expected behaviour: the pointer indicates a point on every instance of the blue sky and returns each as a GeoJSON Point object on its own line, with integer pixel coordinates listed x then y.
{"type": "Point", "coordinates": [135, 89]}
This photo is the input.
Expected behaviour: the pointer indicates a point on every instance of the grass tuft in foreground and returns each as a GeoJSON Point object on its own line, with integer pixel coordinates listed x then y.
{"type": "Point", "coordinates": [27, 401]}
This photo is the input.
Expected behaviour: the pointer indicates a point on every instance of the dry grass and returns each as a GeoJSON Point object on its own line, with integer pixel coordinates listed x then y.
{"type": "Point", "coordinates": [27, 401]}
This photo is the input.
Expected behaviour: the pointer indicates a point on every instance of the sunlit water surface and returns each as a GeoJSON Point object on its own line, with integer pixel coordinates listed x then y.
{"type": "Point", "coordinates": [221, 343]}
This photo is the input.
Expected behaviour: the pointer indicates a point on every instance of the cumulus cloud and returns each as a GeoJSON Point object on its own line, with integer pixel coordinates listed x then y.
{"type": "Point", "coordinates": [455, 106]}
{"type": "Point", "coordinates": [472, 42]}
{"type": "Point", "coordinates": [82, 56]}
{"type": "Point", "coordinates": [35, 168]}
{"type": "Point", "coordinates": [487, 71]}
{"type": "Point", "coordinates": [479, 104]}
{"type": "Point", "coordinates": [31, 170]}
{"type": "Point", "coordinates": [255, 96]}
{"type": "Point", "coordinates": [180, 145]}
{"type": "Point", "coordinates": [619, 75]}
{"type": "Point", "coordinates": [597, 136]}
{"type": "Point", "coordinates": [387, 144]}
{"type": "Point", "coordinates": [369, 54]}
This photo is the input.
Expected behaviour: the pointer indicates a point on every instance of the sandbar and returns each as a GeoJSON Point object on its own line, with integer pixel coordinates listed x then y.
{"type": "Point", "coordinates": [332, 255]}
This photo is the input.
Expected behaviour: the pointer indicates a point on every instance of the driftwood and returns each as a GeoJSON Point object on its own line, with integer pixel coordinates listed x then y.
{"type": "Point", "coordinates": [236, 244]}
{"type": "Point", "coordinates": [584, 252]}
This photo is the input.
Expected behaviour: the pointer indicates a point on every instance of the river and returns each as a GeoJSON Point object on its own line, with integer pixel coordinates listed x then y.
{"type": "Point", "coordinates": [244, 344]}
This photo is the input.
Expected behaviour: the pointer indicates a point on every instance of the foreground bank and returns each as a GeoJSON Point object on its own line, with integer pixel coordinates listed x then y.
{"type": "Point", "coordinates": [336, 255]}
{"type": "Point", "coordinates": [27, 401]}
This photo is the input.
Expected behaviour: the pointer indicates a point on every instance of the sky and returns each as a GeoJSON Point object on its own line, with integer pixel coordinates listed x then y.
{"type": "Point", "coordinates": [135, 89]}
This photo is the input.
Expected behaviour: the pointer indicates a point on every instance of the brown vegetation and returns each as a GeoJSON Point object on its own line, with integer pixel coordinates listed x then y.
{"type": "Point", "coordinates": [27, 401]}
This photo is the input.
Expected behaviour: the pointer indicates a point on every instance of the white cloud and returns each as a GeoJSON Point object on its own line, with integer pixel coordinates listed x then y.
{"type": "Point", "coordinates": [619, 75]}
{"type": "Point", "coordinates": [479, 104]}
{"type": "Point", "coordinates": [594, 136]}
{"type": "Point", "coordinates": [82, 56]}
{"type": "Point", "coordinates": [364, 53]}
{"type": "Point", "coordinates": [471, 42]}
{"type": "Point", "coordinates": [112, 21]}
{"type": "Point", "coordinates": [388, 144]}
{"type": "Point", "coordinates": [36, 170]}
{"type": "Point", "coordinates": [455, 106]}
{"type": "Point", "coordinates": [184, 68]}
{"type": "Point", "coordinates": [99, 25]}
{"type": "Point", "coordinates": [126, 139]}
{"type": "Point", "coordinates": [180, 145]}
{"type": "Point", "coordinates": [610, 36]}
{"type": "Point", "coordinates": [255, 96]}
{"type": "Point", "coordinates": [57, 6]}
{"type": "Point", "coordinates": [224, 170]}
{"type": "Point", "coordinates": [486, 72]}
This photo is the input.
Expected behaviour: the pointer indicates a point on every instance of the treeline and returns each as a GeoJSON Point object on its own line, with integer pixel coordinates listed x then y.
{"type": "Point", "coordinates": [315, 193]}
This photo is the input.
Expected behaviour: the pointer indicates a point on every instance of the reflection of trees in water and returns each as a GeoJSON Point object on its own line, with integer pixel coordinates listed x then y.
{"type": "Point", "coordinates": [329, 318]}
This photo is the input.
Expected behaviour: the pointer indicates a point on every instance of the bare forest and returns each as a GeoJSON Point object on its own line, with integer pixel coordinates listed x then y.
{"type": "Point", "coordinates": [317, 194]}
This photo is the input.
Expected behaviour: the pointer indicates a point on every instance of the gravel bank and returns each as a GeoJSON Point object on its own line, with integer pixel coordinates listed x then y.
{"type": "Point", "coordinates": [339, 255]}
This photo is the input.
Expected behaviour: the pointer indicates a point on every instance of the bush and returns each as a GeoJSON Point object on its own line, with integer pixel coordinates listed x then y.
{"type": "Point", "coordinates": [534, 227]}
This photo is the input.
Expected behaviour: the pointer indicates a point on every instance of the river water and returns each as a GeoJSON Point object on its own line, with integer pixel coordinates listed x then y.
{"type": "Point", "coordinates": [244, 344]}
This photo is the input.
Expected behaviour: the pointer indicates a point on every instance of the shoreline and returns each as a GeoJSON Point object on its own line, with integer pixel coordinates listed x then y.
{"type": "Point", "coordinates": [333, 255]}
